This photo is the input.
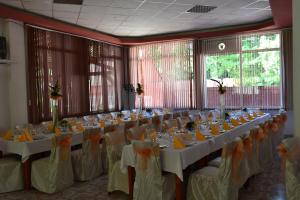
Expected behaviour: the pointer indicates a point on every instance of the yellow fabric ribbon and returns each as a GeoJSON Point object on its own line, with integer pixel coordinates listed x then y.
{"type": "Point", "coordinates": [25, 136]}
{"type": "Point", "coordinates": [235, 122]}
{"type": "Point", "coordinates": [145, 154]}
{"type": "Point", "coordinates": [199, 135]}
{"type": "Point", "coordinates": [243, 120]}
{"type": "Point", "coordinates": [226, 126]}
{"type": "Point", "coordinates": [214, 129]}
{"type": "Point", "coordinates": [237, 157]}
{"type": "Point", "coordinates": [274, 127]}
{"type": "Point", "coordinates": [248, 145]}
{"type": "Point", "coordinates": [177, 143]}
{"type": "Point", "coordinates": [102, 124]}
{"type": "Point", "coordinates": [57, 131]}
{"type": "Point", "coordinates": [8, 135]}
{"type": "Point", "coordinates": [250, 117]}
{"type": "Point", "coordinates": [94, 139]}
{"type": "Point", "coordinates": [65, 144]}
{"type": "Point", "coordinates": [80, 127]}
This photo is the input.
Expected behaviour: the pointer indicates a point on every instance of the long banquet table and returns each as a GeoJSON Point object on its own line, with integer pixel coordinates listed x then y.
{"type": "Point", "coordinates": [177, 160]}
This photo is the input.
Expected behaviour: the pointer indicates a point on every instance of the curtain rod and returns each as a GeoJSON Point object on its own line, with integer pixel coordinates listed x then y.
{"type": "Point", "coordinates": [46, 29]}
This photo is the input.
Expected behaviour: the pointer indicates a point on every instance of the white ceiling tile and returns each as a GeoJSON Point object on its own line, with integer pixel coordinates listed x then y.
{"type": "Point", "coordinates": [97, 2]}
{"type": "Point", "coordinates": [62, 14]}
{"type": "Point", "coordinates": [14, 3]}
{"type": "Point", "coordinates": [43, 12]}
{"type": "Point", "coordinates": [178, 8]}
{"type": "Point", "coordinates": [93, 9]}
{"type": "Point", "coordinates": [66, 7]}
{"type": "Point", "coordinates": [69, 20]}
{"type": "Point", "coordinates": [120, 11]}
{"type": "Point", "coordinates": [154, 6]}
{"type": "Point", "coordinates": [37, 5]}
{"type": "Point", "coordinates": [125, 4]}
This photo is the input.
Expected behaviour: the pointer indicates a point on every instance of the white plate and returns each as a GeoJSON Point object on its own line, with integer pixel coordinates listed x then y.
{"type": "Point", "coordinates": [163, 146]}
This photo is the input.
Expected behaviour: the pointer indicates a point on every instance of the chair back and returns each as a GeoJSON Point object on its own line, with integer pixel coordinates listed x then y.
{"type": "Point", "coordinates": [144, 121]}
{"type": "Point", "coordinates": [167, 116]}
{"type": "Point", "coordinates": [91, 141]}
{"type": "Point", "coordinates": [182, 121]}
{"type": "Point", "coordinates": [156, 123]}
{"type": "Point", "coordinates": [137, 133]}
{"type": "Point", "coordinates": [61, 148]}
{"type": "Point", "coordinates": [176, 115]}
{"type": "Point", "coordinates": [148, 180]}
{"type": "Point", "coordinates": [115, 142]}
{"type": "Point", "coordinates": [171, 123]}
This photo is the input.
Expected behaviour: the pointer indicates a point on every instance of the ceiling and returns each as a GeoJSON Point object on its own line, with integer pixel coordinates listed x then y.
{"type": "Point", "coordinates": [149, 17]}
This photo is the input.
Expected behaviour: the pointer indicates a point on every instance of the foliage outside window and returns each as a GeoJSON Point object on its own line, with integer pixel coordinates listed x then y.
{"type": "Point", "coordinates": [251, 71]}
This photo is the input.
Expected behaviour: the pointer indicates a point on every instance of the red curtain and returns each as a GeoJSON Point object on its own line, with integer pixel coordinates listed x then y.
{"type": "Point", "coordinates": [166, 71]}
{"type": "Point", "coordinates": [76, 63]}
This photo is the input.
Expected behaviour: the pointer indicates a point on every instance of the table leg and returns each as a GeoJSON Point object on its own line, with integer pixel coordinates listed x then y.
{"type": "Point", "coordinates": [27, 174]}
{"type": "Point", "coordinates": [131, 175]}
{"type": "Point", "coordinates": [179, 189]}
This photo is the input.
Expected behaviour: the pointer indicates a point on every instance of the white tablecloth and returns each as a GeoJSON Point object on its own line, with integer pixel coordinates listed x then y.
{"type": "Point", "coordinates": [26, 149]}
{"type": "Point", "coordinates": [175, 161]}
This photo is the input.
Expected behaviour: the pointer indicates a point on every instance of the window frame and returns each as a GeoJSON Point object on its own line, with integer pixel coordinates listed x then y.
{"type": "Point", "coordinates": [240, 52]}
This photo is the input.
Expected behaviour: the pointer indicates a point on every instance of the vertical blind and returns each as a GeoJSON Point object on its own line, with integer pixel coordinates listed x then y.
{"type": "Point", "coordinates": [77, 64]}
{"type": "Point", "coordinates": [166, 71]}
{"type": "Point", "coordinates": [249, 66]}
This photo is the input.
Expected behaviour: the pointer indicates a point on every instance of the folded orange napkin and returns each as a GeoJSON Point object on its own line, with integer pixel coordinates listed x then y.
{"type": "Point", "coordinates": [102, 124]}
{"type": "Point", "coordinates": [261, 113]}
{"type": "Point", "coordinates": [80, 127]}
{"type": "Point", "coordinates": [57, 131]}
{"type": "Point", "coordinates": [199, 135]}
{"type": "Point", "coordinates": [177, 143]}
{"type": "Point", "coordinates": [226, 126]}
{"type": "Point", "coordinates": [132, 117]}
{"type": "Point", "coordinates": [214, 129]}
{"type": "Point", "coordinates": [8, 135]}
{"type": "Point", "coordinates": [243, 120]}
{"type": "Point", "coordinates": [153, 135]}
{"type": "Point", "coordinates": [235, 122]}
{"type": "Point", "coordinates": [250, 117]}
{"type": "Point", "coordinates": [140, 116]}
{"type": "Point", "coordinates": [25, 136]}
{"type": "Point", "coordinates": [254, 114]}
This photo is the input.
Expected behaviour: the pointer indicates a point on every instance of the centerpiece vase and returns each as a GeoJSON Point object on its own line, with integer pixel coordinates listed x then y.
{"type": "Point", "coordinates": [54, 108]}
{"type": "Point", "coordinates": [222, 107]}
{"type": "Point", "coordinates": [140, 103]}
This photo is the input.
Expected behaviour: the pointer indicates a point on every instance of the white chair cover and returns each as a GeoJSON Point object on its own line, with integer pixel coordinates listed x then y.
{"type": "Point", "coordinates": [87, 163]}
{"type": "Point", "coordinates": [11, 174]}
{"type": "Point", "coordinates": [115, 142]}
{"type": "Point", "coordinates": [149, 182]}
{"type": "Point", "coordinates": [55, 173]}
{"type": "Point", "coordinates": [218, 183]}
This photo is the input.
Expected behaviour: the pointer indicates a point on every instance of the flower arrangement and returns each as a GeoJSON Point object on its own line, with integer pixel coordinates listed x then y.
{"type": "Point", "coordinates": [55, 91]}
{"type": "Point", "coordinates": [221, 86]}
{"type": "Point", "coordinates": [139, 89]}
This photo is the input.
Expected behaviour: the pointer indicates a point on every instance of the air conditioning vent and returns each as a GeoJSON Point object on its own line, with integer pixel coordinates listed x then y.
{"type": "Point", "coordinates": [73, 2]}
{"type": "Point", "coordinates": [201, 9]}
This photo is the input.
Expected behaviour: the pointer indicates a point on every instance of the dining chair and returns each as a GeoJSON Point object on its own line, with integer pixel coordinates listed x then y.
{"type": "Point", "coordinates": [185, 113]}
{"type": "Point", "coordinates": [137, 133]}
{"type": "Point", "coordinates": [215, 183]}
{"type": "Point", "coordinates": [182, 121]}
{"type": "Point", "coordinates": [156, 123]}
{"type": "Point", "coordinates": [266, 156]}
{"type": "Point", "coordinates": [11, 174]}
{"type": "Point", "coordinates": [150, 183]}
{"type": "Point", "coordinates": [115, 141]}
{"type": "Point", "coordinates": [289, 152]}
{"type": "Point", "coordinates": [171, 123]}
{"type": "Point", "coordinates": [87, 162]}
{"type": "Point", "coordinates": [54, 173]}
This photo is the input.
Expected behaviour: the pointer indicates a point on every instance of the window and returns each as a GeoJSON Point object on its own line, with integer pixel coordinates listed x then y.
{"type": "Point", "coordinates": [166, 71]}
{"type": "Point", "coordinates": [249, 66]}
{"type": "Point", "coordinates": [88, 72]}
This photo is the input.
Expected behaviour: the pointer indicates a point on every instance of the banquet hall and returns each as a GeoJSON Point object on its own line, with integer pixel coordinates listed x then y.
{"type": "Point", "coordinates": [149, 99]}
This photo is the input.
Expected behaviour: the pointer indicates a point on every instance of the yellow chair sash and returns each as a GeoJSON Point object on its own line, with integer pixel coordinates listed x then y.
{"type": "Point", "coordinates": [65, 145]}
{"type": "Point", "coordinates": [145, 154]}
{"type": "Point", "coordinates": [94, 139]}
{"type": "Point", "coordinates": [248, 145]}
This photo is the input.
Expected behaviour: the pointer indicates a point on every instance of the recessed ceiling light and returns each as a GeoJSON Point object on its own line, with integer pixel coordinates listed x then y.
{"type": "Point", "coordinates": [201, 9]}
{"type": "Point", "coordinates": [74, 2]}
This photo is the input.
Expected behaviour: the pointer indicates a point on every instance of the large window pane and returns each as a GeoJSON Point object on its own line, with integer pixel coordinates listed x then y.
{"type": "Point", "coordinates": [265, 41]}
{"type": "Point", "coordinates": [261, 79]}
{"type": "Point", "coordinates": [226, 68]}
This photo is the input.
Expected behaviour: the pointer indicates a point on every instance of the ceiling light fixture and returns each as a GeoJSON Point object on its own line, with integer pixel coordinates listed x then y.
{"type": "Point", "coordinates": [201, 9]}
{"type": "Point", "coordinates": [73, 2]}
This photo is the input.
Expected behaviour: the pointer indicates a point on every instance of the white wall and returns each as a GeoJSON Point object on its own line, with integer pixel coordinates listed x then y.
{"type": "Point", "coordinates": [13, 100]}
{"type": "Point", "coordinates": [296, 65]}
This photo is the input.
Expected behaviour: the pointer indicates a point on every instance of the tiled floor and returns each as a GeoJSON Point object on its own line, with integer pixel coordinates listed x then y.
{"type": "Point", "coordinates": [266, 186]}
